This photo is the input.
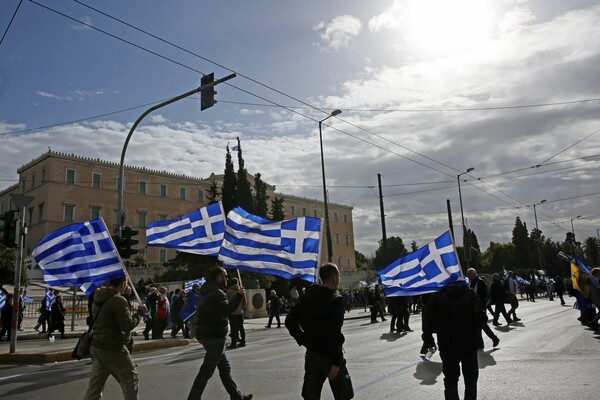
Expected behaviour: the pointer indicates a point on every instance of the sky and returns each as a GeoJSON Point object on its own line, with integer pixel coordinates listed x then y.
{"type": "Point", "coordinates": [427, 90]}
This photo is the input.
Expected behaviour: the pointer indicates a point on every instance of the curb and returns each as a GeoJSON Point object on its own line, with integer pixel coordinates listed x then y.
{"type": "Point", "coordinates": [65, 355]}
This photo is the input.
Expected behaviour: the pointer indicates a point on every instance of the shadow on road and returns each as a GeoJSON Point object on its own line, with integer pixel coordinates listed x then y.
{"type": "Point", "coordinates": [427, 372]}
{"type": "Point", "coordinates": [485, 358]}
{"type": "Point", "coordinates": [392, 337]}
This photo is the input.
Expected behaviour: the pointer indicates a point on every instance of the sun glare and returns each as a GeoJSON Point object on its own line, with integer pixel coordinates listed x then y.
{"type": "Point", "coordinates": [445, 26]}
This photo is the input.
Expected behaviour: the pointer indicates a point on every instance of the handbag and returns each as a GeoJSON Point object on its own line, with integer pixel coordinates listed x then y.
{"type": "Point", "coordinates": [84, 343]}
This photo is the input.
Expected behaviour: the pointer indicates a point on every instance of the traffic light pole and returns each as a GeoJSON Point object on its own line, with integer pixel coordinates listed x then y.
{"type": "Point", "coordinates": [156, 107]}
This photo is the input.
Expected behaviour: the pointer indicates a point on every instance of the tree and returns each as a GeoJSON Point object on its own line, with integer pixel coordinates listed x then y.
{"type": "Point", "coordinates": [497, 257]}
{"type": "Point", "coordinates": [187, 266]}
{"type": "Point", "coordinates": [244, 192]}
{"type": "Point", "coordinates": [413, 246]}
{"type": "Point", "coordinates": [473, 240]}
{"type": "Point", "coordinates": [520, 239]}
{"type": "Point", "coordinates": [260, 197]}
{"type": "Point", "coordinates": [213, 193]}
{"type": "Point", "coordinates": [277, 213]}
{"type": "Point", "coordinates": [362, 262]}
{"type": "Point", "coordinates": [592, 252]}
{"type": "Point", "coordinates": [8, 258]}
{"type": "Point", "coordinates": [395, 250]}
{"type": "Point", "coordinates": [229, 195]}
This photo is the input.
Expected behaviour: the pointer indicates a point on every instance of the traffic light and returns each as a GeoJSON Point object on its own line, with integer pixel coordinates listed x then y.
{"type": "Point", "coordinates": [207, 96]}
{"type": "Point", "coordinates": [121, 245]}
{"type": "Point", "coordinates": [128, 234]}
{"type": "Point", "coordinates": [10, 237]}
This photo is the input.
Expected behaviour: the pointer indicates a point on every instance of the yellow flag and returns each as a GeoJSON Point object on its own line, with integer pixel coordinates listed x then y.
{"type": "Point", "coordinates": [580, 280]}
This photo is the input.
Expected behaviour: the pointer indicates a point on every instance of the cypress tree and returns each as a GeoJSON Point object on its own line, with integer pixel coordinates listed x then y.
{"type": "Point", "coordinates": [228, 196]}
{"type": "Point", "coordinates": [244, 192]}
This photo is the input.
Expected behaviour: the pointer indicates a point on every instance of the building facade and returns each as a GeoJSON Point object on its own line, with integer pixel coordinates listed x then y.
{"type": "Point", "coordinates": [68, 188]}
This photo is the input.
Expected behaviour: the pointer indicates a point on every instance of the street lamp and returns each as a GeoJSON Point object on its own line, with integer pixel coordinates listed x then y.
{"type": "Point", "coordinates": [462, 216]}
{"type": "Point", "coordinates": [327, 227]}
{"type": "Point", "coordinates": [540, 259]}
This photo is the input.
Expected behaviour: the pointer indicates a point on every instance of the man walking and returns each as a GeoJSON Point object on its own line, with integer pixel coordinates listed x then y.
{"type": "Point", "coordinates": [478, 286]}
{"type": "Point", "coordinates": [511, 287]}
{"type": "Point", "coordinates": [211, 331]}
{"type": "Point", "coordinates": [236, 319]}
{"type": "Point", "coordinates": [316, 323]}
{"type": "Point", "coordinates": [455, 314]}
{"type": "Point", "coordinates": [110, 350]}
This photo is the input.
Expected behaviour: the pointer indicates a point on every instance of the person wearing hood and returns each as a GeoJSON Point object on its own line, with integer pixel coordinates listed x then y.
{"type": "Point", "coordinates": [456, 314]}
{"type": "Point", "coordinates": [316, 323]}
{"type": "Point", "coordinates": [110, 350]}
{"type": "Point", "coordinates": [211, 323]}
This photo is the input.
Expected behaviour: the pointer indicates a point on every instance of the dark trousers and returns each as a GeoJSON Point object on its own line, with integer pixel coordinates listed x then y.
{"type": "Point", "coordinates": [500, 309]}
{"type": "Point", "coordinates": [238, 333]}
{"type": "Point", "coordinates": [177, 326]}
{"type": "Point", "coordinates": [276, 315]}
{"type": "Point", "coordinates": [451, 366]}
{"type": "Point", "coordinates": [373, 313]}
{"type": "Point", "coordinates": [214, 358]}
{"type": "Point", "coordinates": [316, 369]}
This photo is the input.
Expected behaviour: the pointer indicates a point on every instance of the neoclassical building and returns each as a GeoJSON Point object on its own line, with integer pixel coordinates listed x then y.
{"type": "Point", "coordinates": [69, 188]}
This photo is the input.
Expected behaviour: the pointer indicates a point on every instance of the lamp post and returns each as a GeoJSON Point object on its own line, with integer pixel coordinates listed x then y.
{"type": "Point", "coordinates": [462, 217]}
{"type": "Point", "coordinates": [540, 259]}
{"type": "Point", "coordinates": [327, 227]}
{"type": "Point", "coordinates": [573, 233]}
{"type": "Point", "coordinates": [598, 233]}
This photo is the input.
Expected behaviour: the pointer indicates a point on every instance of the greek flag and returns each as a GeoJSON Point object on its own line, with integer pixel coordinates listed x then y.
{"type": "Point", "coordinates": [199, 232]}
{"type": "Point", "coordinates": [26, 298]}
{"type": "Point", "coordinates": [288, 248]}
{"type": "Point", "coordinates": [426, 270]}
{"type": "Point", "coordinates": [49, 299]}
{"type": "Point", "coordinates": [2, 300]}
{"type": "Point", "coordinates": [188, 285]}
{"type": "Point", "coordinates": [79, 253]}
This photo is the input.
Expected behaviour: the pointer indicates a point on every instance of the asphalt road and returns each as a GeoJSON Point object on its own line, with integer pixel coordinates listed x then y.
{"type": "Point", "coordinates": [549, 355]}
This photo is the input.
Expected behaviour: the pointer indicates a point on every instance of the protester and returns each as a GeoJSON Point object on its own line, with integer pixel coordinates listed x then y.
{"type": "Point", "coordinates": [57, 318]}
{"type": "Point", "coordinates": [559, 287]}
{"type": "Point", "coordinates": [177, 321]}
{"type": "Point", "coordinates": [162, 312]}
{"type": "Point", "coordinates": [511, 287]}
{"type": "Point", "coordinates": [477, 285]}
{"type": "Point", "coordinates": [455, 314]}
{"type": "Point", "coordinates": [236, 319]}
{"type": "Point", "coordinates": [498, 296]}
{"type": "Point", "coordinates": [111, 347]}
{"type": "Point", "coordinates": [274, 305]}
{"type": "Point", "coordinates": [294, 295]}
{"type": "Point", "coordinates": [150, 304]}
{"type": "Point", "coordinates": [189, 310]}
{"type": "Point", "coordinates": [6, 316]}
{"type": "Point", "coordinates": [316, 323]}
{"type": "Point", "coordinates": [211, 331]}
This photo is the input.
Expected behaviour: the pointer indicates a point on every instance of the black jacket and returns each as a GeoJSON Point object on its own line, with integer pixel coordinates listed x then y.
{"type": "Point", "coordinates": [455, 314]}
{"type": "Point", "coordinates": [212, 311]}
{"type": "Point", "coordinates": [497, 293]}
{"type": "Point", "coordinates": [316, 322]}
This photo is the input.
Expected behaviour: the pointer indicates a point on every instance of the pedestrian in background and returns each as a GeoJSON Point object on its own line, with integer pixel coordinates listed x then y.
{"type": "Point", "coordinates": [455, 314]}
{"type": "Point", "coordinates": [149, 318]}
{"type": "Point", "coordinates": [162, 312]}
{"type": "Point", "coordinates": [274, 305]}
{"type": "Point", "coordinates": [316, 323]}
{"type": "Point", "coordinates": [57, 318]}
{"type": "Point", "coordinates": [211, 331]}
{"type": "Point", "coordinates": [6, 315]}
{"type": "Point", "coordinates": [478, 285]}
{"type": "Point", "coordinates": [236, 319]}
{"type": "Point", "coordinates": [111, 347]}
{"type": "Point", "coordinates": [498, 296]}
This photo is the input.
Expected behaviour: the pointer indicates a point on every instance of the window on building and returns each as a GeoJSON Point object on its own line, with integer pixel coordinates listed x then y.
{"type": "Point", "coordinates": [304, 211]}
{"type": "Point", "coordinates": [315, 213]}
{"type": "Point", "coordinates": [94, 212]}
{"type": "Point", "coordinates": [292, 210]}
{"type": "Point", "coordinates": [162, 256]}
{"type": "Point", "coordinates": [347, 239]}
{"type": "Point", "coordinates": [162, 217]}
{"type": "Point", "coordinates": [24, 183]}
{"type": "Point", "coordinates": [339, 261]}
{"type": "Point", "coordinates": [40, 212]}
{"type": "Point", "coordinates": [142, 187]}
{"type": "Point", "coordinates": [70, 176]}
{"type": "Point", "coordinates": [32, 181]}
{"type": "Point", "coordinates": [337, 238]}
{"type": "Point", "coordinates": [68, 212]}
{"type": "Point", "coordinates": [345, 217]}
{"type": "Point", "coordinates": [182, 193]}
{"type": "Point", "coordinates": [96, 180]}
{"type": "Point", "coordinates": [142, 219]}
{"type": "Point", "coordinates": [29, 216]}
{"type": "Point", "coordinates": [201, 195]}
{"type": "Point", "coordinates": [163, 190]}
{"type": "Point", "coordinates": [335, 216]}
{"type": "Point", "coordinates": [348, 262]}
{"type": "Point", "coordinates": [43, 176]}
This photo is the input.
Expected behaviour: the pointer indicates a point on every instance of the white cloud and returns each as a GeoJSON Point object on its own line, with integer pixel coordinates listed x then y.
{"type": "Point", "coordinates": [49, 95]}
{"type": "Point", "coordinates": [389, 19]}
{"type": "Point", "coordinates": [340, 32]}
{"type": "Point", "coordinates": [158, 119]}
{"type": "Point", "coordinates": [515, 19]}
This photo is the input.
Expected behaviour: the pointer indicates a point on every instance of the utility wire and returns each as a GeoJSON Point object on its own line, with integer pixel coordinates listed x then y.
{"type": "Point", "coordinates": [10, 22]}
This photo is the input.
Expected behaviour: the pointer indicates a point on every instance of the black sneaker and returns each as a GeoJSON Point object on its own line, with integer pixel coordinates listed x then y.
{"type": "Point", "coordinates": [496, 341]}
{"type": "Point", "coordinates": [241, 344]}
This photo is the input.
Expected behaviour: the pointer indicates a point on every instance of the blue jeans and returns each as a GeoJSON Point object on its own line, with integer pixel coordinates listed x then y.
{"type": "Point", "coordinates": [451, 364]}
{"type": "Point", "coordinates": [214, 358]}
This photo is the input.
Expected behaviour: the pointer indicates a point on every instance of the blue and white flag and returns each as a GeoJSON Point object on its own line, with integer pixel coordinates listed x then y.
{"type": "Point", "coordinates": [187, 286]}
{"type": "Point", "coordinates": [79, 253]}
{"type": "Point", "coordinates": [26, 298]}
{"type": "Point", "coordinates": [427, 270]}
{"type": "Point", "coordinates": [289, 249]}
{"type": "Point", "coordinates": [199, 232]}
{"type": "Point", "coordinates": [49, 299]}
{"type": "Point", "coordinates": [2, 300]}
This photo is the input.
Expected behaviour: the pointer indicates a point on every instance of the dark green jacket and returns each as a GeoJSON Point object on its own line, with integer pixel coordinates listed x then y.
{"type": "Point", "coordinates": [113, 320]}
